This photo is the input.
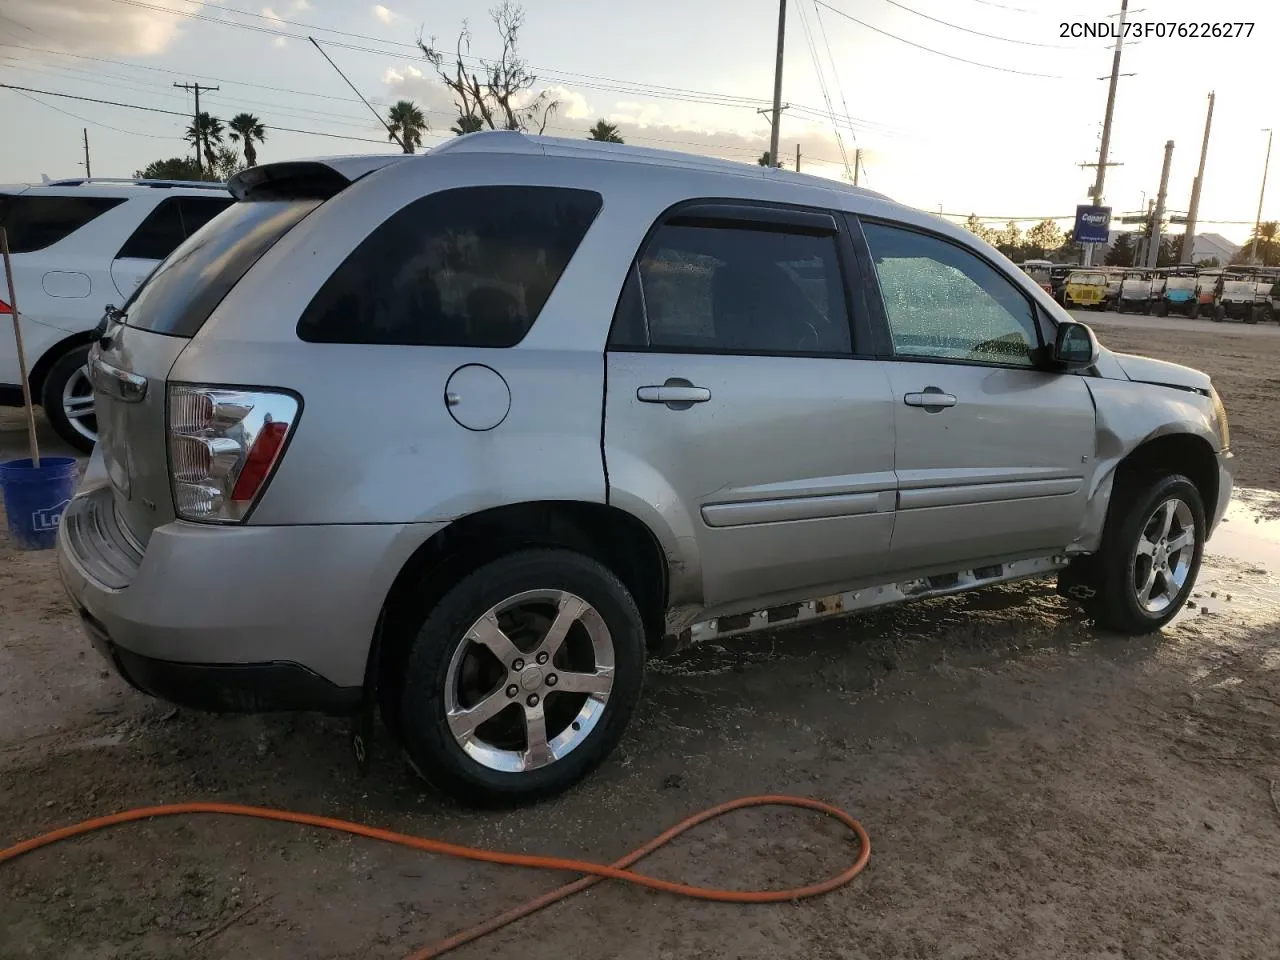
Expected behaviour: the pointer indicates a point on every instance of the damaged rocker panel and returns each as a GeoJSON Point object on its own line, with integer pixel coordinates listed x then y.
{"type": "Point", "coordinates": [856, 601]}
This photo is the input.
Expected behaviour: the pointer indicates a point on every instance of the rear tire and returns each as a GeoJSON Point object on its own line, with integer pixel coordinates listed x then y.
{"type": "Point", "coordinates": [1219, 314]}
{"type": "Point", "coordinates": [1162, 309]}
{"type": "Point", "coordinates": [509, 750]}
{"type": "Point", "coordinates": [66, 395]}
{"type": "Point", "coordinates": [1144, 570]}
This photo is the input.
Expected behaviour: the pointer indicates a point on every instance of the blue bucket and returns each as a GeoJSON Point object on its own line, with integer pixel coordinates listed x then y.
{"type": "Point", "coordinates": [34, 498]}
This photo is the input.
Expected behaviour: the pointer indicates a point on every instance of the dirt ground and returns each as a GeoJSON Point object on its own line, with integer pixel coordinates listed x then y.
{"type": "Point", "coordinates": [1033, 788]}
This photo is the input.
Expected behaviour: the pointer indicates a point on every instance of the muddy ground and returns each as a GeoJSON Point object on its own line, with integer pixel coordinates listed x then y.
{"type": "Point", "coordinates": [1033, 788]}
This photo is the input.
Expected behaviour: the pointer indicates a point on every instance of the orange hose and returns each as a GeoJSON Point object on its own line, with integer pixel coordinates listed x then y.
{"type": "Point", "coordinates": [595, 872]}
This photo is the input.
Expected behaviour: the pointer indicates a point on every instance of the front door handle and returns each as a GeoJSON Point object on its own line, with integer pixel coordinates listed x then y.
{"type": "Point", "coordinates": [933, 399]}
{"type": "Point", "coordinates": [677, 393]}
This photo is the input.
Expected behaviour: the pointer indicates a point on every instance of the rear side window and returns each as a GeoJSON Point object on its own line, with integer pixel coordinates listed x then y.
{"type": "Point", "coordinates": [34, 222]}
{"type": "Point", "coordinates": [470, 267]}
{"type": "Point", "coordinates": [178, 298]}
{"type": "Point", "coordinates": [172, 221]}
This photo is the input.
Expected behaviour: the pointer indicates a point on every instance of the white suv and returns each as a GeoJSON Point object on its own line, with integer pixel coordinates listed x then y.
{"type": "Point", "coordinates": [77, 246]}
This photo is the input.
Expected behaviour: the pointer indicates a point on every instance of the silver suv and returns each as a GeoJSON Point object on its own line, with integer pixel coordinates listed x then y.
{"type": "Point", "coordinates": [466, 435]}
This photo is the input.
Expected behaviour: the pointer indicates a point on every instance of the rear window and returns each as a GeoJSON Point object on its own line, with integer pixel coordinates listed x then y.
{"type": "Point", "coordinates": [36, 221]}
{"type": "Point", "coordinates": [178, 298]}
{"type": "Point", "coordinates": [470, 267]}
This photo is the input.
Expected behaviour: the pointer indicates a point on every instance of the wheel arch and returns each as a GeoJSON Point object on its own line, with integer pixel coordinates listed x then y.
{"type": "Point", "coordinates": [617, 539]}
{"type": "Point", "coordinates": [1186, 453]}
{"type": "Point", "coordinates": [40, 370]}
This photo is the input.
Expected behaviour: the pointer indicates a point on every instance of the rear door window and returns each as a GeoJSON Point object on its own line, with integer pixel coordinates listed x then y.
{"type": "Point", "coordinates": [172, 221]}
{"type": "Point", "coordinates": [470, 267]}
{"type": "Point", "coordinates": [36, 221]}
{"type": "Point", "coordinates": [178, 298]}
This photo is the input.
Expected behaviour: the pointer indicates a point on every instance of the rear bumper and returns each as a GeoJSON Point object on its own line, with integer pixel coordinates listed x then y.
{"type": "Point", "coordinates": [233, 618]}
{"type": "Point", "coordinates": [225, 688]}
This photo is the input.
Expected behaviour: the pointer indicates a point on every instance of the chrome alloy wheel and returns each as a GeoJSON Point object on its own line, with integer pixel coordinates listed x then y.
{"type": "Point", "coordinates": [1163, 556]}
{"type": "Point", "coordinates": [529, 681]}
{"type": "Point", "coordinates": [78, 404]}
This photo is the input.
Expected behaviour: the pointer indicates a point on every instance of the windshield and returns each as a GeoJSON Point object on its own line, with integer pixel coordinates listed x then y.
{"type": "Point", "coordinates": [1239, 287]}
{"type": "Point", "coordinates": [182, 292]}
{"type": "Point", "coordinates": [1180, 283]}
{"type": "Point", "coordinates": [1090, 279]}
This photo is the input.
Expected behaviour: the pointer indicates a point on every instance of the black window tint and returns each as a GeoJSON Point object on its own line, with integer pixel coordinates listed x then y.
{"type": "Point", "coordinates": [172, 221]}
{"type": "Point", "coordinates": [197, 211]}
{"type": "Point", "coordinates": [470, 267]}
{"type": "Point", "coordinates": [944, 302]}
{"type": "Point", "coordinates": [736, 290]}
{"type": "Point", "coordinates": [158, 235]}
{"type": "Point", "coordinates": [36, 222]}
{"type": "Point", "coordinates": [178, 298]}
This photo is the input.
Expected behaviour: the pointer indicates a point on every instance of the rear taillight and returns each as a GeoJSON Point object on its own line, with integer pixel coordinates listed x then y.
{"type": "Point", "coordinates": [224, 445]}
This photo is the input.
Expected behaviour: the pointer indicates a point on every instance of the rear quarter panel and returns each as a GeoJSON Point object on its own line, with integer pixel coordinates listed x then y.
{"type": "Point", "coordinates": [376, 442]}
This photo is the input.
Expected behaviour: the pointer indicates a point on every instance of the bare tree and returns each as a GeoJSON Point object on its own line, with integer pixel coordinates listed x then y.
{"type": "Point", "coordinates": [498, 95]}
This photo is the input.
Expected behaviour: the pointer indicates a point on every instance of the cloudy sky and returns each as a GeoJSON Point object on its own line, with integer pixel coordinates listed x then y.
{"type": "Point", "coordinates": [1001, 135]}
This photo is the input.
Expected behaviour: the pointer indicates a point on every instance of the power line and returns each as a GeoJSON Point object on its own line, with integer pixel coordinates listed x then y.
{"type": "Point", "coordinates": [548, 75]}
{"type": "Point", "coordinates": [175, 113]}
{"type": "Point", "coordinates": [976, 33]}
{"type": "Point", "coordinates": [920, 46]}
{"type": "Point", "coordinates": [96, 123]}
{"type": "Point", "coordinates": [822, 82]}
{"type": "Point", "coordinates": [835, 75]}
{"type": "Point", "coordinates": [991, 3]}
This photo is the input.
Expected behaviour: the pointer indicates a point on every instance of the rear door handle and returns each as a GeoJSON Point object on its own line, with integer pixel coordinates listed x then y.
{"type": "Point", "coordinates": [932, 399]}
{"type": "Point", "coordinates": [677, 393]}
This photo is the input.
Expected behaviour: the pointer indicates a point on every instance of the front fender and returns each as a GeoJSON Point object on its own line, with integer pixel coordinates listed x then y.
{"type": "Point", "coordinates": [1129, 415]}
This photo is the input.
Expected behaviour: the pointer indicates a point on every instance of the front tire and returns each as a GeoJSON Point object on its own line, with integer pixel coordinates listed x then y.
{"type": "Point", "coordinates": [1150, 554]}
{"type": "Point", "coordinates": [67, 398]}
{"type": "Point", "coordinates": [1162, 309]}
{"type": "Point", "coordinates": [523, 678]}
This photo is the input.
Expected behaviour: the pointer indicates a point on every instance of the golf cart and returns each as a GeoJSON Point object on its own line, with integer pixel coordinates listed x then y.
{"type": "Point", "coordinates": [1085, 289]}
{"type": "Point", "coordinates": [1243, 293]}
{"type": "Point", "coordinates": [1174, 291]}
{"type": "Point", "coordinates": [1135, 292]}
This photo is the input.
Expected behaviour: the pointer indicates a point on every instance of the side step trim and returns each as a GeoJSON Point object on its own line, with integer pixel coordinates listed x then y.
{"type": "Point", "coordinates": [856, 601]}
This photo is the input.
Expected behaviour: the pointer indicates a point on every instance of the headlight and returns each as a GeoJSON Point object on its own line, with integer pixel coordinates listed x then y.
{"type": "Point", "coordinates": [1220, 412]}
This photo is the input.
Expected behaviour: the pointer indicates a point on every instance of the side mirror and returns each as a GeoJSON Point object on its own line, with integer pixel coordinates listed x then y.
{"type": "Point", "coordinates": [1075, 347]}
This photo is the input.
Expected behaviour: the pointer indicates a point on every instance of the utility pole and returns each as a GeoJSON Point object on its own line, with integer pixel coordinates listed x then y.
{"type": "Point", "coordinates": [1157, 218]}
{"type": "Point", "coordinates": [195, 125]}
{"type": "Point", "coordinates": [857, 164]}
{"type": "Point", "coordinates": [1105, 146]}
{"type": "Point", "coordinates": [1257, 222]}
{"type": "Point", "coordinates": [797, 158]}
{"type": "Point", "coordinates": [777, 84]}
{"type": "Point", "coordinates": [1189, 236]}
{"type": "Point", "coordinates": [87, 171]}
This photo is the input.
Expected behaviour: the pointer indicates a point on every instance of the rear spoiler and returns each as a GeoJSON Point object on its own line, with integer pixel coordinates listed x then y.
{"type": "Point", "coordinates": [305, 179]}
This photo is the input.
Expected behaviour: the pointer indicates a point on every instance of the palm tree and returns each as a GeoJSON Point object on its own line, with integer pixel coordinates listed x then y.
{"type": "Point", "coordinates": [247, 127]}
{"type": "Point", "coordinates": [205, 134]}
{"type": "Point", "coordinates": [468, 123]}
{"type": "Point", "coordinates": [604, 132]}
{"type": "Point", "coordinates": [1267, 239]}
{"type": "Point", "coordinates": [407, 122]}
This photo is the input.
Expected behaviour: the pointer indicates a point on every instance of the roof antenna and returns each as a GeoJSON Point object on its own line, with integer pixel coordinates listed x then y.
{"type": "Point", "coordinates": [394, 136]}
